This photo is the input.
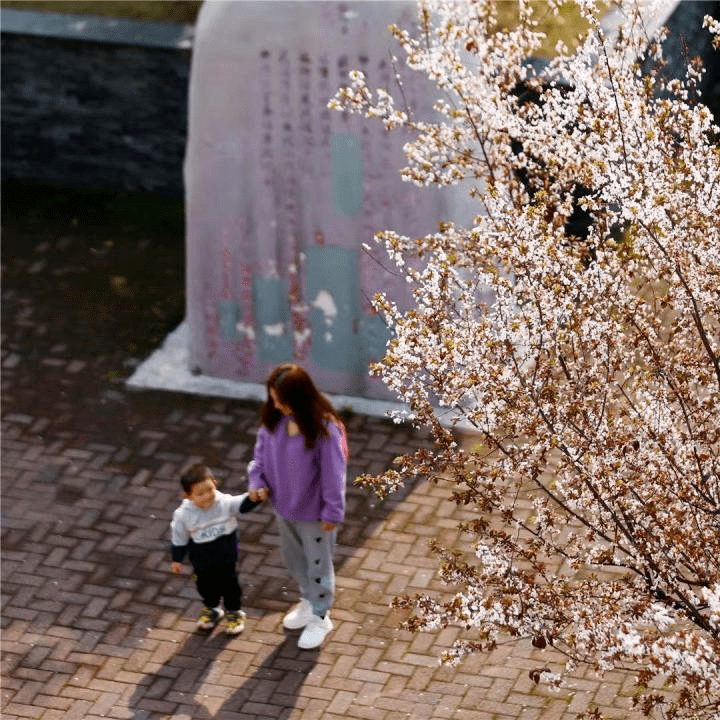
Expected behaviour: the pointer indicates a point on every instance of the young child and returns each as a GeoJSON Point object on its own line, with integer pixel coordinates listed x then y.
{"type": "Point", "coordinates": [300, 462]}
{"type": "Point", "coordinates": [205, 527]}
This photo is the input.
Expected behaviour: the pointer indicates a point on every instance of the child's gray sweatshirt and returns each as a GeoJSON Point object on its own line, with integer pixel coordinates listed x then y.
{"type": "Point", "coordinates": [209, 534]}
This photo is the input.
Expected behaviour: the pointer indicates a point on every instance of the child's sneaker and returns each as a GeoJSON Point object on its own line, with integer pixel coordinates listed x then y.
{"type": "Point", "coordinates": [235, 622]}
{"type": "Point", "coordinates": [209, 618]}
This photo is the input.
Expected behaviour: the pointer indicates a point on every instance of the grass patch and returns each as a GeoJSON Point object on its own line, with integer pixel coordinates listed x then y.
{"type": "Point", "coordinates": [568, 25]}
{"type": "Point", "coordinates": [181, 11]}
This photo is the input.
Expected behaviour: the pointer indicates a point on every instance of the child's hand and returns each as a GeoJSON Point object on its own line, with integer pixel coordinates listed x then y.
{"type": "Point", "coordinates": [259, 495]}
{"type": "Point", "coordinates": [176, 568]}
{"type": "Point", "coordinates": [328, 526]}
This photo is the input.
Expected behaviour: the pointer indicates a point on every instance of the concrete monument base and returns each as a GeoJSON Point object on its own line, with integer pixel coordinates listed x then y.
{"type": "Point", "coordinates": [168, 368]}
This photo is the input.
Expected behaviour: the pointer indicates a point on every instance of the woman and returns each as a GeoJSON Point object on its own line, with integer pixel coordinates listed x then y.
{"type": "Point", "coordinates": [300, 463]}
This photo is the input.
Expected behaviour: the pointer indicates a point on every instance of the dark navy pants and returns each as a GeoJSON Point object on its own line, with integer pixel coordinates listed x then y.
{"type": "Point", "coordinates": [220, 583]}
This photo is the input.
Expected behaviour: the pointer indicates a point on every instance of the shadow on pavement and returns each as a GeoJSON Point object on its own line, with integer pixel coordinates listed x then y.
{"type": "Point", "coordinates": [178, 681]}
{"type": "Point", "coordinates": [274, 687]}
{"type": "Point", "coordinates": [269, 690]}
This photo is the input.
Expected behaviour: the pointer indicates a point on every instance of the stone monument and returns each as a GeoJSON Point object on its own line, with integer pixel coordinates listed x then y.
{"type": "Point", "coordinates": [283, 192]}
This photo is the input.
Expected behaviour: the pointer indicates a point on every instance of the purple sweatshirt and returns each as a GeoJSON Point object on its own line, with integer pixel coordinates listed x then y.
{"type": "Point", "coordinates": [305, 485]}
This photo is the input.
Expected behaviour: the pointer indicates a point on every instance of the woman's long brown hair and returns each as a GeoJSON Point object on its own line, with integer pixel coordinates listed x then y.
{"type": "Point", "coordinates": [311, 409]}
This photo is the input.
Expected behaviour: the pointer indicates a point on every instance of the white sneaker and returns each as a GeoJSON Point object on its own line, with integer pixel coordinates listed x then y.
{"type": "Point", "coordinates": [315, 632]}
{"type": "Point", "coordinates": [299, 616]}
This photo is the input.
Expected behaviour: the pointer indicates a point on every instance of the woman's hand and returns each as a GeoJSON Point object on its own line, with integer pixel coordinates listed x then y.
{"type": "Point", "coordinates": [259, 495]}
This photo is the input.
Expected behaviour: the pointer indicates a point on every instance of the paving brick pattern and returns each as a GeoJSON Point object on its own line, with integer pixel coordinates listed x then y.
{"type": "Point", "coordinates": [95, 626]}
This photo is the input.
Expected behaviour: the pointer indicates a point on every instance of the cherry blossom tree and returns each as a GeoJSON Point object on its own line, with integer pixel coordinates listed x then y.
{"type": "Point", "coordinates": [575, 325]}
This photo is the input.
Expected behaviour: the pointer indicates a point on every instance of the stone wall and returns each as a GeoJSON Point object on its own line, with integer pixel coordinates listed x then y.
{"type": "Point", "coordinates": [96, 102]}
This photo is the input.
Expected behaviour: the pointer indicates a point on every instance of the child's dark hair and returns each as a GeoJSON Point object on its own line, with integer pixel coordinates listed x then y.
{"type": "Point", "coordinates": [195, 474]}
{"type": "Point", "coordinates": [311, 409]}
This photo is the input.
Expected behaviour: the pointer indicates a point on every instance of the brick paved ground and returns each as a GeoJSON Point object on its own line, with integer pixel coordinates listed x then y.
{"type": "Point", "coordinates": [94, 625]}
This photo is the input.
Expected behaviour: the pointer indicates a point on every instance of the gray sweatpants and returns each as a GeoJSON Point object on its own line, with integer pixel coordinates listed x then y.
{"type": "Point", "coordinates": [308, 552]}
